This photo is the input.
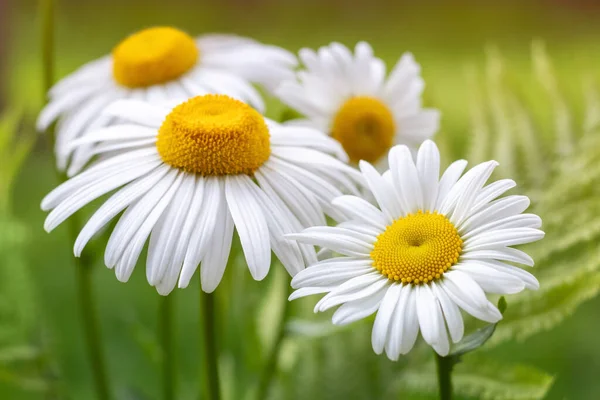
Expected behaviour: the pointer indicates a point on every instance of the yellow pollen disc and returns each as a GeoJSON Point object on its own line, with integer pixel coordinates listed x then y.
{"type": "Point", "coordinates": [365, 128]}
{"type": "Point", "coordinates": [153, 56]}
{"type": "Point", "coordinates": [214, 135]}
{"type": "Point", "coordinates": [417, 248]}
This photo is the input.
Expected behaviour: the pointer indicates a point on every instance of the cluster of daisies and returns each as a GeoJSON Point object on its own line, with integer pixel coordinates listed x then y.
{"type": "Point", "coordinates": [172, 128]}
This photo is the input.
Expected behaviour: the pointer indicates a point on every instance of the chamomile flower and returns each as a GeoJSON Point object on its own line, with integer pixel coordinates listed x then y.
{"type": "Point", "coordinates": [348, 96]}
{"type": "Point", "coordinates": [187, 176]}
{"type": "Point", "coordinates": [159, 65]}
{"type": "Point", "coordinates": [434, 246]}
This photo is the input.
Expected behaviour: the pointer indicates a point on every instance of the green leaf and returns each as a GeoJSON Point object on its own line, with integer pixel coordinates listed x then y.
{"type": "Point", "coordinates": [534, 312]}
{"type": "Point", "coordinates": [478, 338]}
{"type": "Point", "coordinates": [480, 378]}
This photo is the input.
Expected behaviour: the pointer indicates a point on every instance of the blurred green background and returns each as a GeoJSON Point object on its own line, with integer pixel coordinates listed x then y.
{"type": "Point", "coordinates": [451, 39]}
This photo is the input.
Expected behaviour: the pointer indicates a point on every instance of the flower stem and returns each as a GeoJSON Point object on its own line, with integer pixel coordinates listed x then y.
{"type": "Point", "coordinates": [46, 8]}
{"type": "Point", "coordinates": [444, 372]}
{"type": "Point", "coordinates": [211, 360]}
{"type": "Point", "coordinates": [270, 368]}
{"type": "Point", "coordinates": [169, 366]}
{"type": "Point", "coordinates": [83, 265]}
{"type": "Point", "coordinates": [83, 268]}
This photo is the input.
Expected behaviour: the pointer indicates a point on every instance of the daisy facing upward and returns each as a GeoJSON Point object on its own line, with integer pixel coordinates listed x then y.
{"type": "Point", "coordinates": [187, 176]}
{"type": "Point", "coordinates": [159, 65]}
{"type": "Point", "coordinates": [348, 96]}
{"type": "Point", "coordinates": [434, 246]}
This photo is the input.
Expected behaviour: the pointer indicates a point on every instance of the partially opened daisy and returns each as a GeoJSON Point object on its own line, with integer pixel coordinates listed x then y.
{"type": "Point", "coordinates": [158, 65]}
{"type": "Point", "coordinates": [188, 175]}
{"type": "Point", "coordinates": [348, 96]}
{"type": "Point", "coordinates": [434, 246]}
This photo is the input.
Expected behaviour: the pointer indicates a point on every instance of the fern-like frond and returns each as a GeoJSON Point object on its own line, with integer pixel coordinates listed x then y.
{"type": "Point", "coordinates": [533, 312]}
{"type": "Point", "coordinates": [480, 378]}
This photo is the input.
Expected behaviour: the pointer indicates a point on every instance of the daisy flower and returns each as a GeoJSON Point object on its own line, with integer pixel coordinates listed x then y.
{"type": "Point", "coordinates": [348, 96]}
{"type": "Point", "coordinates": [159, 65]}
{"type": "Point", "coordinates": [434, 246]}
{"type": "Point", "coordinates": [187, 176]}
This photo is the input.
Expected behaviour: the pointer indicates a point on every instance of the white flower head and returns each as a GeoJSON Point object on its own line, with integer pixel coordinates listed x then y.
{"type": "Point", "coordinates": [187, 176]}
{"type": "Point", "coordinates": [159, 65]}
{"type": "Point", "coordinates": [349, 96]}
{"type": "Point", "coordinates": [433, 247]}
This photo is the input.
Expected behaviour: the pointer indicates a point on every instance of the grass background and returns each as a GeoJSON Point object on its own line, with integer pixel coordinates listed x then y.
{"type": "Point", "coordinates": [447, 38]}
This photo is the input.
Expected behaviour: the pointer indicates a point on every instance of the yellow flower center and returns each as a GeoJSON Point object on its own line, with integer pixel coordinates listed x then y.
{"type": "Point", "coordinates": [365, 128]}
{"type": "Point", "coordinates": [153, 56]}
{"type": "Point", "coordinates": [417, 248]}
{"type": "Point", "coordinates": [214, 135]}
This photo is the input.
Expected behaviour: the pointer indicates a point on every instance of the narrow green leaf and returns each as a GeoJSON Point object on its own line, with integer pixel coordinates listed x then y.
{"type": "Point", "coordinates": [478, 338]}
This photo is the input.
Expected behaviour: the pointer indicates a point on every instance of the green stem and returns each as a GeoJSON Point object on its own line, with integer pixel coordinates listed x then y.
{"type": "Point", "coordinates": [47, 42]}
{"type": "Point", "coordinates": [211, 360]}
{"type": "Point", "coordinates": [83, 265]}
{"type": "Point", "coordinates": [270, 368]}
{"type": "Point", "coordinates": [444, 372]}
{"type": "Point", "coordinates": [91, 327]}
{"type": "Point", "coordinates": [166, 330]}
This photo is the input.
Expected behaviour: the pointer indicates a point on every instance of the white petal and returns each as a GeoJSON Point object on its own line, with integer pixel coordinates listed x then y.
{"type": "Point", "coordinates": [137, 112]}
{"type": "Point", "coordinates": [528, 279]}
{"type": "Point", "coordinates": [428, 166]}
{"type": "Point", "coordinates": [360, 227]}
{"type": "Point", "coordinates": [115, 204]}
{"type": "Point", "coordinates": [491, 280]}
{"type": "Point", "coordinates": [355, 289]}
{"type": "Point", "coordinates": [448, 180]}
{"type": "Point", "coordinates": [331, 272]}
{"type": "Point", "coordinates": [308, 291]}
{"type": "Point", "coordinates": [492, 191]}
{"type": "Point", "coordinates": [357, 309]}
{"type": "Point", "coordinates": [515, 221]}
{"type": "Point", "coordinates": [406, 178]}
{"type": "Point", "coordinates": [360, 209]}
{"type": "Point", "coordinates": [404, 327]}
{"type": "Point", "coordinates": [470, 190]}
{"type": "Point", "coordinates": [501, 238]}
{"type": "Point", "coordinates": [92, 191]}
{"type": "Point", "coordinates": [403, 73]}
{"type": "Point", "coordinates": [389, 205]}
{"type": "Point", "coordinates": [498, 209]}
{"type": "Point", "coordinates": [115, 133]}
{"type": "Point", "coordinates": [78, 122]}
{"type": "Point", "coordinates": [469, 296]}
{"type": "Point", "coordinates": [298, 136]}
{"type": "Point", "coordinates": [431, 321]}
{"type": "Point", "coordinates": [250, 224]}
{"type": "Point", "coordinates": [296, 197]}
{"type": "Point", "coordinates": [505, 254]}
{"type": "Point", "coordinates": [323, 190]}
{"type": "Point", "coordinates": [134, 246]}
{"type": "Point", "coordinates": [135, 215]}
{"type": "Point", "coordinates": [204, 229]}
{"type": "Point", "coordinates": [451, 312]}
{"type": "Point", "coordinates": [63, 104]}
{"type": "Point", "coordinates": [289, 252]}
{"type": "Point", "coordinates": [215, 261]}
{"type": "Point", "coordinates": [166, 233]}
{"type": "Point", "coordinates": [96, 172]}
{"type": "Point", "coordinates": [342, 244]}
{"type": "Point", "coordinates": [383, 320]}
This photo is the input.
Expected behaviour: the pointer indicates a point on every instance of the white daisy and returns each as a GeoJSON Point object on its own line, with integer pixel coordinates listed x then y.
{"type": "Point", "coordinates": [348, 96]}
{"type": "Point", "coordinates": [434, 246]}
{"type": "Point", "coordinates": [188, 176]}
{"type": "Point", "coordinates": [157, 65]}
